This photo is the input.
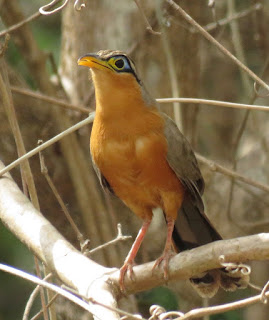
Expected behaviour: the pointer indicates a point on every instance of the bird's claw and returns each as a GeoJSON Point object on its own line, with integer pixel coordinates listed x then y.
{"type": "Point", "coordinates": [125, 269]}
{"type": "Point", "coordinates": [165, 258]}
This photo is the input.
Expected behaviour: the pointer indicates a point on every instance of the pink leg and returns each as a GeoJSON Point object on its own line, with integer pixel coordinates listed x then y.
{"type": "Point", "coordinates": [167, 252]}
{"type": "Point", "coordinates": [129, 261]}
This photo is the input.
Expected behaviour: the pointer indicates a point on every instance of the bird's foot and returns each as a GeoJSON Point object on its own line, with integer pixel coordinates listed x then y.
{"type": "Point", "coordinates": [127, 267]}
{"type": "Point", "coordinates": [165, 258]}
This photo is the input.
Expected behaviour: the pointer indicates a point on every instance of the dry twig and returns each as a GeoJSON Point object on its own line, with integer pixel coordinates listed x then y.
{"type": "Point", "coordinates": [32, 298]}
{"type": "Point", "coordinates": [94, 281]}
{"type": "Point", "coordinates": [66, 104]}
{"type": "Point", "coordinates": [48, 143]}
{"type": "Point", "coordinates": [83, 242]}
{"type": "Point", "coordinates": [148, 26]}
{"type": "Point", "coordinates": [236, 16]}
{"type": "Point", "coordinates": [227, 53]}
{"type": "Point", "coordinates": [218, 168]}
{"type": "Point", "coordinates": [20, 24]}
{"type": "Point", "coordinates": [119, 237]}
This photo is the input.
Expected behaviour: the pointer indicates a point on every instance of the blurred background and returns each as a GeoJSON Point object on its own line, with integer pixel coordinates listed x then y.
{"type": "Point", "coordinates": [42, 56]}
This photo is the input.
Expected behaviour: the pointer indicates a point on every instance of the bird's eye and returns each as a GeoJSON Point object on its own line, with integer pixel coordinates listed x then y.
{"type": "Point", "coordinates": [119, 63]}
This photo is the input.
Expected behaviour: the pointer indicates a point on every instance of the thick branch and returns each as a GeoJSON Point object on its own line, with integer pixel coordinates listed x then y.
{"type": "Point", "coordinates": [193, 262]}
{"type": "Point", "coordinates": [73, 268]}
{"type": "Point", "coordinates": [95, 281]}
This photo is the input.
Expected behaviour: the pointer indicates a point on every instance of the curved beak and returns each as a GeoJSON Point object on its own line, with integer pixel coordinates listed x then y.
{"type": "Point", "coordinates": [92, 60]}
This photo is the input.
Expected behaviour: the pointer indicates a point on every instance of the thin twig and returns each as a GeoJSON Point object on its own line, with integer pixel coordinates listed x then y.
{"type": "Point", "coordinates": [44, 171]}
{"type": "Point", "coordinates": [238, 15]}
{"type": "Point", "coordinates": [258, 197]}
{"type": "Point", "coordinates": [20, 24]}
{"type": "Point", "coordinates": [211, 164]}
{"type": "Point", "coordinates": [46, 98]}
{"type": "Point", "coordinates": [148, 26]}
{"type": "Point", "coordinates": [235, 146]}
{"type": "Point", "coordinates": [4, 46]}
{"type": "Point", "coordinates": [31, 299]}
{"type": "Point", "coordinates": [45, 284]}
{"type": "Point", "coordinates": [218, 168]}
{"type": "Point", "coordinates": [211, 39]}
{"type": "Point", "coordinates": [48, 143]}
{"type": "Point", "coordinates": [215, 103]}
{"type": "Point", "coordinates": [47, 305]}
{"type": "Point", "coordinates": [66, 104]}
{"type": "Point", "coordinates": [84, 305]}
{"type": "Point", "coordinates": [237, 43]}
{"type": "Point", "coordinates": [197, 313]}
{"type": "Point", "coordinates": [27, 176]}
{"type": "Point", "coordinates": [119, 237]}
{"type": "Point", "coordinates": [238, 46]}
{"type": "Point", "coordinates": [170, 64]}
{"type": "Point", "coordinates": [42, 291]}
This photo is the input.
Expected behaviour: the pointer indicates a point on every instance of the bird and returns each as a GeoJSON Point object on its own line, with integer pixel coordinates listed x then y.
{"type": "Point", "coordinates": [141, 157]}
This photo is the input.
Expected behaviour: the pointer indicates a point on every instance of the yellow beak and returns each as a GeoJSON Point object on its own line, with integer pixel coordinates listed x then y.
{"type": "Point", "coordinates": [93, 61]}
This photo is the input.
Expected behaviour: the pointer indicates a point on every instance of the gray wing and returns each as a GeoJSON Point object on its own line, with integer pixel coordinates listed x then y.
{"type": "Point", "coordinates": [104, 183]}
{"type": "Point", "coordinates": [192, 227]}
{"type": "Point", "coordinates": [183, 161]}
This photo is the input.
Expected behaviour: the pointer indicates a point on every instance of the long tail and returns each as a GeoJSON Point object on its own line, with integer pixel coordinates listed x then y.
{"type": "Point", "coordinates": [193, 229]}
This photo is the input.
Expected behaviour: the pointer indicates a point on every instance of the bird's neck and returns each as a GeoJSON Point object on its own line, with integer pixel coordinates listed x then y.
{"type": "Point", "coordinates": [118, 96]}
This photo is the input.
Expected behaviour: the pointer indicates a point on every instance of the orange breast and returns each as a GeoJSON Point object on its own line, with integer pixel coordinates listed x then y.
{"type": "Point", "coordinates": [133, 160]}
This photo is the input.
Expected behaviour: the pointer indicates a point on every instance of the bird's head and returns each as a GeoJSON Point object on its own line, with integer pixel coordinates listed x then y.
{"type": "Point", "coordinates": [114, 76]}
{"type": "Point", "coordinates": [109, 62]}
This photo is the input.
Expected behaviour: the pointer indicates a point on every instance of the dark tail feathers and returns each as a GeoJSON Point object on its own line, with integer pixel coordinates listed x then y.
{"type": "Point", "coordinates": [193, 229]}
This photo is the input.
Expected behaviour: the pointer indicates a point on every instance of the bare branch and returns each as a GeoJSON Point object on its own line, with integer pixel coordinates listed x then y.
{"type": "Point", "coordinates": [215, 103]}
{"type": "Point", "coordinates": [20, 24]}
{"type": "Point", "coordinates": [96, 282]}
{"type": "Point", "coordinates": [4, 46]}
{"type": "Point", "coordinates": [48, 143]}
{"type": "Point", "coordinates": [170, 65]}
{"type": "Point", "coordinates": [189, 263]}
{"type": "Point", "coordinates": [217, 44]}
{"type": "Point", "coordinates": [197, 313]}
{"type": "Point", "coordinates": [31, 299]}
{"type": "Point", "coordinates": [213, 166]}
{"type": "Point", "coordinates": [44, 171]}
{"type": "Point", "coordinates": [66, 104]}
{"type": "Point", "coordinates": [218, 168]}
{"type": "Point", "coordinates": [119, 237]}
{"type": "Point", "coordinates": [238, 15]}
{"type": "Point", "coordinates": [72, 267]}
{"type": "Point", "coordinates": [47, 306]}
{"type": "Point", "coordinates": [51, 287]}
{"type": "Point", "coordinates": [149, 27]}
{"type": "Point", "coordinates": [49, 99]}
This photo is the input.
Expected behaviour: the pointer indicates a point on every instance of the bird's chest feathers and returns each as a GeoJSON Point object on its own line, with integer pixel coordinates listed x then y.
{"type": "Point", "coordinates": [128, 158]}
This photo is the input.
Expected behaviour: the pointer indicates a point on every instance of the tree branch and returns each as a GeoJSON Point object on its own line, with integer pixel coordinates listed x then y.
{"type": "Point", "coordinates": [82, 109]}
{"type": "Point", "coordinates": [73, 268]}
{"type": "Point", "coordinates": [48, 143]}
{"type": "Point", "coordinates": [100, 283]}
{"type": "Point", "coordinates": [227, 53]}
{"type": "Point", "coordinates": [189, 263]}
